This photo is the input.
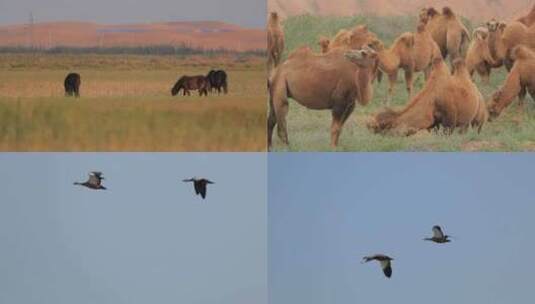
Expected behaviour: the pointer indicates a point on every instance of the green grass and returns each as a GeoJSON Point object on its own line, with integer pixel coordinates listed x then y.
{"type": "Point", "coordinates": [309, 130]}
{"type": "Point", "coordinates": [129, 108]}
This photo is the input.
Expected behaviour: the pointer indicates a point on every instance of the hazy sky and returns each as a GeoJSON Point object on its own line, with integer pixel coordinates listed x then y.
{"type": "Point", "coordinates": [148, 239]}
{"type": "Point", "coordinates": [327, 211]}
{"type": "Point", "coordinates": [251, 13]}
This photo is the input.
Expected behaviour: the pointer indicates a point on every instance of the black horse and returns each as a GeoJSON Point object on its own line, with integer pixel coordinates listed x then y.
{"type": "Point", "coordinates": [72, 85]}
{"type": "Point", "coordinates": [218, 80]}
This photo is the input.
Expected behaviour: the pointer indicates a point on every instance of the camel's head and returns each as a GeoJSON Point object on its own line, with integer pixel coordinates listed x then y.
{"type": "Point", "coordinates": [495, 26]}
{"type": "Point", "coordinates": [324, 43]}
{"type": "Point", "coordinates": [481, 33]}
{"type": "Point", "coordinates": [364, 58]}
{"type": "Point", "coordinates": [496, 106]}
{"type": "Point", "coordinates": [360, 36]}
{"type": "Point", "coordinates": [383, 121]}
{"type": "Point", "coordinates": [423, 16]}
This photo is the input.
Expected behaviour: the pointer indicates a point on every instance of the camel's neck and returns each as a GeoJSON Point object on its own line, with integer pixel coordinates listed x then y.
{"type": "Point", "coordinates": [364, 78]}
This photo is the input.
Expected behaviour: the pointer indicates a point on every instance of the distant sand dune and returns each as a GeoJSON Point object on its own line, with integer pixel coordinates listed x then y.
{"type": "Point", "coordinates": [208, 35]}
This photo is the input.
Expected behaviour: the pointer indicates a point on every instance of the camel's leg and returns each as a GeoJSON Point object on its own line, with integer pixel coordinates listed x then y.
{"type": "Point", "coordinates": [339, 117]}
{"type": "Point", "coordinates": [271, 122]}
{"type": "Point", "coordinates": [408, 81]}
{"type": "Point", "coordinates": [521, 98]}
{"type": "Point", "coordinates": [392, 79]}
{"type": "Point", "coordinates": [427, 71]}
{"type": "Point", "coordinates": [281, 111]}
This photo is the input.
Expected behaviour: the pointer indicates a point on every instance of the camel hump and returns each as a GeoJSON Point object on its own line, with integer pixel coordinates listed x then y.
{"type": "Point", "coordinates": [446, 11]}
{"type": "Point", "coordinates": [522, 52]}
{"type": "Point", "coordinates": [431, 12]}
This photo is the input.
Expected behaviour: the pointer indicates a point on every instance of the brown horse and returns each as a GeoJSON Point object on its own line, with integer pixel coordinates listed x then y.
{"type": "Point", "coordinates": [187, 83]}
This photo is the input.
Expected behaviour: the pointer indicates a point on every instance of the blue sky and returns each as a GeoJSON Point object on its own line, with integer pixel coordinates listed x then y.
{"type": "Point", "coordinates": [148, 239]}
{"type": "Point", "coordinates": [251, 13]}
{"type": "Point", "coordinates": [326, 211]}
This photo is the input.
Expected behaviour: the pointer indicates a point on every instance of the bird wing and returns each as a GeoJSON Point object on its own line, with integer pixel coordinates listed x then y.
{"type": "Point", "coordinates": [97, 174]}
{"type": "Point", "coordinates": [387, 268]}
{"type": "Point", "coordinates": [187, 180]}
{"type": "Point", "coordinates": [202, 189]}
{"type": "Point", "coordinates": [437, 232]}
{"type": "Point", "coordinates": [197, 187]}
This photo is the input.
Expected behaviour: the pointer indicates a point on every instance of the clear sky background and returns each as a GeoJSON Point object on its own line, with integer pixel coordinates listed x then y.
{"type": "Point", "coordinates": [148, 239]}
{"type": "Point", "coordinates": [250, 13]}
{"type": "Point", "coordinates": [328, 211]}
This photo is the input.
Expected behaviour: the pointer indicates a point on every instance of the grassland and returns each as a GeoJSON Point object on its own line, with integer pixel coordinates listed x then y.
{"type": "Point", "coordinates": [126, 104]}
{"type": "Point", "coordinates": [309, 130]}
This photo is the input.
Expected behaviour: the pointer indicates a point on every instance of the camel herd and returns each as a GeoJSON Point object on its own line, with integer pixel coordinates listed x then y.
{"type": "Point", "coordinates": [344, 72]}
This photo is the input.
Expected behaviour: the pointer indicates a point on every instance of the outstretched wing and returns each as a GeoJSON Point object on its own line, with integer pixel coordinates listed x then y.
{"type": "Point", "coordinates": [437, 232]}
{"type": "Point", "coordinates": [387, 268]}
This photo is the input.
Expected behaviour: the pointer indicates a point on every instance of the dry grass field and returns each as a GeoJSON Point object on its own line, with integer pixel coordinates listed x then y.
{"type": "Point", "coordinates": [126, 104]}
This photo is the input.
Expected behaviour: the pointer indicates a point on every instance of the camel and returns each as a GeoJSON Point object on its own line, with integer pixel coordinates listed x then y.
{"type": "Point", "coordinates": [398, 56]}
{"type": "Point", "coordinates": [495, 42]}
{"type": "Point", "coordinates": [448, 100]}
{"type": "Point", "coordinates": [334, 81]}
{"type": "Point", "coordinates": [447, 30]}
{"type": "Point", "coordinates": [425, 49]}
{"type": "Point", "coordinates": [478, 57]}
{"type": "Point", "coordinates": [529, 19]}
{"type": "Point", "coordinates": [520, 80]}
{"type": "Point", "coordinates": [275, 38]}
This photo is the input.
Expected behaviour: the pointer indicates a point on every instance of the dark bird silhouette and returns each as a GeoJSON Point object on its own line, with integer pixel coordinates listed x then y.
{"type": "Point", "coordinates": [438, 236]}
{"type": "Point", "coordinates": [200, 185]}
{"type": "Point", "coordinates": [94, 182]}
{"type": "Point", "coordinates": [384, 260]}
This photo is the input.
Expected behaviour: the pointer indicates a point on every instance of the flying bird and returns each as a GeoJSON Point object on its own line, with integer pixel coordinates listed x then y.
{"type": "Point", "coordinates": [94, 182]}
{"type": "Point", "coordinates": [438, 236]}
{"type": "Point", "coordinates": [384, 260]}
{"type": "Point", "coordinates": [200, 185]}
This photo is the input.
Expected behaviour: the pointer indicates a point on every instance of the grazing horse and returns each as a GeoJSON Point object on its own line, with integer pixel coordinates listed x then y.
{"type": "Point", "coordinates": [72, 85]}
{"type": "Point", "coordinates": [218, 80]}
{"type": "Point", "coordinates": [187, 83]}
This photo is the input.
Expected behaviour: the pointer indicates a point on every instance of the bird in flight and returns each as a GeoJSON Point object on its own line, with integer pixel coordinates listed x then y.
{"type": "Point", "coordinates": [384, 260]}
{"type": "Point", "coordinates": [438, 236]}
{"type": "Point", "coordinates": [94, 182]}
{"type": "Point", "coordinates": [200, 185]}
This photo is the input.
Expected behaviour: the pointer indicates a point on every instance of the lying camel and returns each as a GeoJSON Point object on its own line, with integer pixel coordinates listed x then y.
{"type": "Point", "coordinates": [275, 41]}
{"type": "Point", "coordinates": [333, 81]}
{"type": "Point", "coordinates": [529, 19]}
{"type": "Point", "coordinates": [448, 100]}
{"type": "Point", "coordinates": [447, 30]}
{"type": "Point", "coordinates": [478, 57]}
{"type": "Point", "coordinates": [520, 80]}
